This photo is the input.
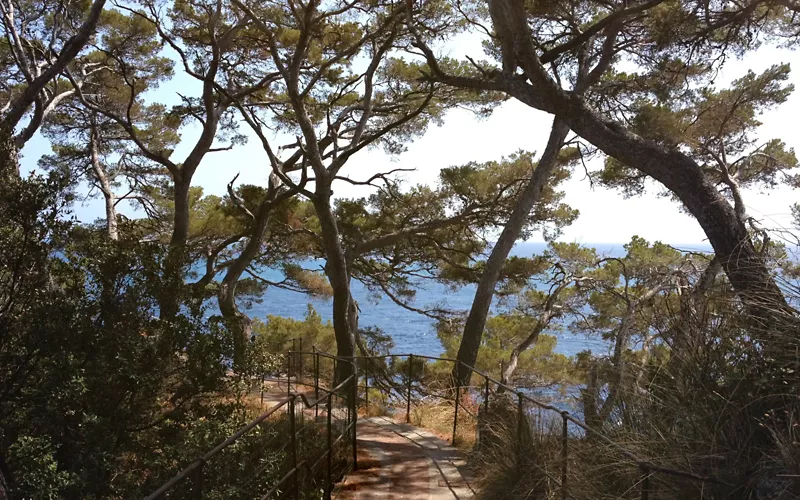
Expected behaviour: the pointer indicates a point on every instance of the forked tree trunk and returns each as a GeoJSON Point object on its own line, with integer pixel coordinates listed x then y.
{"type": "Point", "coordinates": [239, 324]}
{"type": "Point", "coordinates": [680, 174]}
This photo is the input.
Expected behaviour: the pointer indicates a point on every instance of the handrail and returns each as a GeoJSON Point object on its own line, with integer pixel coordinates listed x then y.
{"type": "Point", "coordinates": [205, 458]}
{"type": "Point", "coordinates": [639, 462]}
{"type": "Point", "coordinates": [349, 430]}
{"type": "Point", "coordinates": [325, 355]}
{"type": "Point", "coordinates": [311, 404]}
{"type": "Point", "coordinates": [642, 463]}
{"type": "Point", "coordinates": [290, 399]}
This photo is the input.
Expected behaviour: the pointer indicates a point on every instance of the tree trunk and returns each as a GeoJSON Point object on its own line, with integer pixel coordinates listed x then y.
{"type": "Point", "coordinates": [476, 320]}
{"type": "Point", "coordinates": [70, 50]}
{"type": "Point", "coordinates": [180, 229]}
{"type": "Point", "coordinates": [513, 360]}
{"type": "Point", "coordinates": [590, 395]}
{"type": "Point", "coordinates": [169, 303]}
{"type": "Point", "coordinates": [336, 270]}
{"type": "Point", "coordinates": [744, 267]}
{"type": "Point", "coordinates": [238, 323]}
{"type": "Point", "coordinates": [746, 270]}
{"type": "Point", "coordinates": [111, 216]}
{"type": "Point", "coordinates": [105, 187]}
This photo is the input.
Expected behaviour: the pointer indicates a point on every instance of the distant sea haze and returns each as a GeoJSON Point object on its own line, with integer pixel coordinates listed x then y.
{"type": "Point", "coordinates": [413, 332]}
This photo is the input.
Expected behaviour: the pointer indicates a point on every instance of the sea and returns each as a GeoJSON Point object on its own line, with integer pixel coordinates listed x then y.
{"type": "Point", "coordinates": [413, 332]}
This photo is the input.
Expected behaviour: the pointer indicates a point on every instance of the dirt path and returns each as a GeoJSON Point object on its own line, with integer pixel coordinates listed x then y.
{"type": "Point", "coordinates": [398, 461]}
{"type": "Point", "coordinates": [401, 461]}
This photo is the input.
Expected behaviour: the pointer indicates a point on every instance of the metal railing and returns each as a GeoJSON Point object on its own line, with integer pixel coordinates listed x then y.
{"type": "Point", "coordinates": [339, 423]}
{"type": "Point", "coordinates": [409, 380]}
{"type": "Point", "coordinates": [404, 382]}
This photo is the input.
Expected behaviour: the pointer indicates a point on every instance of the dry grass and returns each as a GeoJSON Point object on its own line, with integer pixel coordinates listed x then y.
{"type": "Point", "coordinates": [437, 417]}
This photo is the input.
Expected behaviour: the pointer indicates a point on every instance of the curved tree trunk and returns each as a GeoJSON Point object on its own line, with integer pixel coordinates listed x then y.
{"type": "Point", "coordinates": [238, 323]}
{"type": "Point", "coordinates": [676, 171]}
{"type": "Point", "coordinates": [476, 320]}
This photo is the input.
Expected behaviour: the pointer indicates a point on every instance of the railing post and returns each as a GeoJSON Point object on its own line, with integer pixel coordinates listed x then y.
{"type": "Point", "coordinates": [262, 390]}
{"type": "Point", "coordinates": [197, 480]}
{"type": "Point", "coordinates": [645, 483]}
{"type": "Point", "coordinates": [455, 414]}
{"type": "Point", "coordinates": [355, 420]}
{"type": "Point", "coordinates": [300, 360]}
{"type": "Point", "coordinates": [564, 454]}
{"type": "Point", "coordinates": [293, 439]}
{"type": "Point", "coordinates": [408, 394]}
{"type": "Point", "coordinates": [486, 396]}
{"type": "Point", "coordinates": [288, 373]}
{"type": "Point", "coordinates": [481, 428]}
{"type": "Point", "coordinates": [316, 383]}
{"type": "Point", "coordinates": [520, 417]}
{"type": "Point", "coordinates": [329, 465]}
{"type": "Point", "coordinates": [366, 385]}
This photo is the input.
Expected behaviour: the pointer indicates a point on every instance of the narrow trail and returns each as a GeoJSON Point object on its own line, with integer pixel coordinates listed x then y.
{"type": "Point", "coordinates": [399, 461]}
{"type": "Point", "coordinates": [402, 461]}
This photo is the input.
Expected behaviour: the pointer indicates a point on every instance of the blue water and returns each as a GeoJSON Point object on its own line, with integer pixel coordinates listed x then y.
{"type": "Point", "coordinates": [413, 332]}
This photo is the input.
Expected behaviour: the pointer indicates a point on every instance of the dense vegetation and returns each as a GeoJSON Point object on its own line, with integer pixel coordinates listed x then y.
{"type": "Point", "coordinates": [125, 347]}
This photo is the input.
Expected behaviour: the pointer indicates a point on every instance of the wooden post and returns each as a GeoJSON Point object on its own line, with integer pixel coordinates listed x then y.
{"type": "Point", "coordinates": [316, 383]}
{"type": "Point", "coordinates": [300, 359]}
{"type": "Point", "coordinates": [289, 372]}
{"type": "Point", "coordinates": [486, 396]}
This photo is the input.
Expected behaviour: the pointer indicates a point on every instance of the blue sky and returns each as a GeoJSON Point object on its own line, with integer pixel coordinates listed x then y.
{"type": "Point", "coordinates": [605, 216]}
